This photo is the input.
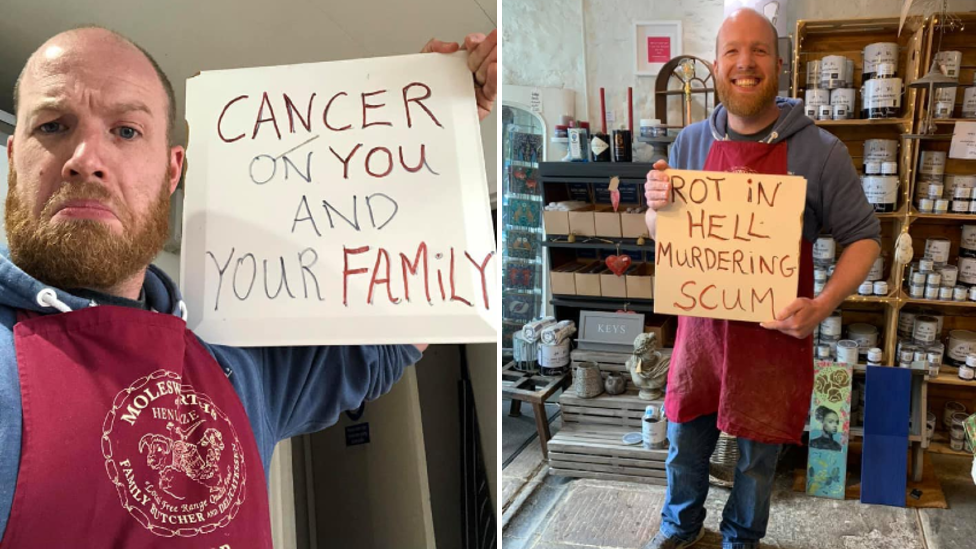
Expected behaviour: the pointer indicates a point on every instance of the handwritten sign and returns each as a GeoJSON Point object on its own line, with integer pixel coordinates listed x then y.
{"type": "Point", "coordinates": [338, 203]}
{"type": "Point", "coordinates": [728, 245]}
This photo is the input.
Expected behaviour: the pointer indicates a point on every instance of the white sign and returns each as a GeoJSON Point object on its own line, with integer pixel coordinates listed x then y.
{"type": "Point", "coordinates": [963, 141]}
{"type": "Point", "coordinates": [338, 203]}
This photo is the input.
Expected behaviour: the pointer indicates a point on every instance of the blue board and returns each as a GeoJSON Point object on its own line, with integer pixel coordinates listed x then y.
{"type": "Point", "coordinates": [884, 469]}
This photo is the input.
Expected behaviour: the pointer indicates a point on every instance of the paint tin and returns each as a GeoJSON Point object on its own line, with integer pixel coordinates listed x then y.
{"type": "Point", "coordinates": [554, 359]}
{"type": "Point", "coordinates": [961, 344]}
{"type": "Point", "coordinates": [969, 102]}
{"type": "Point", "coordinates": [949, 62]}
{"type": "Point", "coordinates": [945, 294]}
{"type": "Point", "coordinates": [972, 206]}
{"type": "Point", "coordinates": [849, 73]}
{"type": "Point", "coordinates": [813, 74]}
{"type": "Point", "coordinates": [877, 269]}
{"type": "Point", "coordinates": [847, 351]}
{"type": "Point", "coordinates": [880, 287]}
{"type": "Point", "coordinates": [966, 371]}
{"type": "Point", "coordinates": [818, 287]}
{"type": "Point", "coordinates": [819, 275]}
{"type": "Point", "coordinates": [874, 356]}
{"type": "Point", "coordinates": [831, 326]}
{"type": "Point", "coordinates": [955, 181]}
{"type": "Point", "coordinates": [825, 112]}
{"type": "Point", "coordinates": [810, 111]}
{"type": "Point", "coordinates": [824, 250]}
{"type": "Point", "coordinates": [926, 265]}
{"type": "Point", "coordinates": [881, 191]}
{"type": "Point", "coordinates": [951, 407]}
{"type": "Point", "coordinates": [524, 353]}
{"type": "Point", "coordinates": [931, 166]}
{"type": "Point", "coordinates": [840, 112]}
{"type": "Point", "coordinates": [933, 279]}
{"type": "Point", "coordinates": [906, 323]}
{"type": "Point", "coordinates": [967, 244]}
{"type": "Point", "coordinates": [865, 335]}
{"type": "Point", "coordinates": [967, 270]}
{"type": "Point", "coordinates": [950, 273]}
{"type": "Point", "coordinates": [960, 293]}
{"type": "Point", "coordinates": [925, 330]}
{"type": "Point", "coordinates": [945, 103]}
{"type": "Point", "coordinates": [938, 249]}
{"type": "Point", "coordinates": [817, 97]}
{"type": "Point", "coordinates": [931, 292]}
{"type": "Point", "coordinates": [881, 98]}
{"type": "Point", "coordinates": [889, 168]}
{"type": "Point", "coordinates": [916, 291]}
{"type": "Point", "coordinates": [823, 352]}
{"type": "Point", "coordinates": [879, 53]}
{"type": "Point", "coordinates": [655, 432]}
{"type": "Point", "coordinates": [918, 278]}
{"type": "Point", "coordinates": [833, 72]}
{"type": "Point", "coordinates": [906, 353]}
{"type": "Point", "coordinates": [843, 96]}
{"type": "Point", "coordinates": [880, 150]}
{"type": "Point", "coordinates": [926, 205]}
{"type": "Point", "coordinates": [872, 168]}
{"type": "Point", "coordinates": [866, 288]}
{"type": "Point", "coordinates": [961, 205]}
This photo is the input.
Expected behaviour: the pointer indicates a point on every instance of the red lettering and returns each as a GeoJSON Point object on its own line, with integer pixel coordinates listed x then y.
{"type": "Point", "coordinates": [701, 298]}
{"type": "Point", "coordinates": [420, 164]}
{"type": "Point", "coordinates": [367, 106]}
{"type": "Point", "coordinates": [454, 296]}
{"type": "Point", "coordinates": [346, 252]}
{"type": "Point", "coordinates": [389, 160]}
{"type": "Point", "coordinates": [772, 301]}
{"type": "Point", "coordinates": [325, 114]}
{"type": "Point", "coordinates": [345, 162]}
{"type": "Point", "coordinates": [712, 224]}
{"type": "Point", "coordinates": [221, 119]}
{"type": "Point", "coordinates": [692, 225]}
{"type": "Point", "coordinates": [676, 188]}
{"type": "Point", "coordinates": [752, 219]}
{"type": "Point", "coordinates": [257, 124]}
{"type": "Point", "coordinates": [406, 103]}
{"type": "Point", "coordinates": [422, 249]}
{"type": "Point", "coordinates": [693, 302]}
{"type": "Point", "coordinates": [293, 112]}
{"type": "Point", "coordinates": [481, 270]}
{"type": "Point", "coordinates": [382, 254]}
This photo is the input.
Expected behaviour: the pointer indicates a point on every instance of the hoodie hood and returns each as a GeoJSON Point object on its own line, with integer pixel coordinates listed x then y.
{"type": "Point", "coordinates": [791, 120]}
{"type": "Point", "coordinates": [19, 290]}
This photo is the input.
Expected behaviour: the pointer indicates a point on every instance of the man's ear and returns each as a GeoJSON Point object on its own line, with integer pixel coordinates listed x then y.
{"type": "Point", "coordinates": [177, 155]}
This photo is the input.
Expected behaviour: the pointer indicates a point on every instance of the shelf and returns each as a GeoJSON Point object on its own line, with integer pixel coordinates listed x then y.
{"type": "Point", "coordinates": [953, 120]}
{"type": "Point", "coordinates": [605, 303]}
{"type": "Point", "coordinates": [940, 445]}
{"type": "Point", "coordinates": [947, 218]}
{"type": "Point", "coordinates": [937, 302]}
{"type": "Point", "coordinates": [945, 378]}
{"type": "Point", "coordinates": [929, 137]}
{"type": "Point", "coordinates": [665, 139]}
{"type": "Point", "coordinates": [573, 172]}
{"type": "Point", "coordinates": [864, 122]}
{"type": "Point", "coordinates": [871, 299]}
{"type": "Point", "coordinates": [631, 247]}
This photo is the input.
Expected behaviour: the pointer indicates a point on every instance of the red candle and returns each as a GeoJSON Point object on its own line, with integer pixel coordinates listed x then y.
{"type": "Point", "coordinates": [630, 110]}
{"type": "Point", "coordinates": [603, 111]}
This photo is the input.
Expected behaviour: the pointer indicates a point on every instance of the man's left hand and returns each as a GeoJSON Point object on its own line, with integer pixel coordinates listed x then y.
{"type": "Point", "coordinates": [799, 318]}
{"type": "Point", "coordinates": [483, 62]}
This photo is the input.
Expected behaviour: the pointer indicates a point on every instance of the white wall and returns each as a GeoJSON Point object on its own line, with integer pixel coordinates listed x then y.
{"type": "Point", "coordinates": [543, 43]}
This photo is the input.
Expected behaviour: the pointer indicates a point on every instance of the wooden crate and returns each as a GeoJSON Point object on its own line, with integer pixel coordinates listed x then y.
{"type": "Point", "coordinates": [608, 362]}
{"type": "Point", "coordinates": [624, 410]}
{"type": "Point", "coordinates": [597, 451]}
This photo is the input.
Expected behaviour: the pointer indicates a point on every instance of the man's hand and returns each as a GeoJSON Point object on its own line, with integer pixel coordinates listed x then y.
{"type": "Point", "coordinates": [799, 318]}
{"type": "Point", "coordinates": [658, 187]}
{"type": "Point", "coordinates": [483, 63]}
{"type": "Point", "coordinates": [421, 346]}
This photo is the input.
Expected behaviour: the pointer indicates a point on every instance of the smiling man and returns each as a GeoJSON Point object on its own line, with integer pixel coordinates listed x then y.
{"type": "Point", "coordinates": [749, 380]}
{"type": "Point", "coordinates": [118, 426]}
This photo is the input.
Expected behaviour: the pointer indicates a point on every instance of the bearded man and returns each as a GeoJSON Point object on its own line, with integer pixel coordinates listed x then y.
{"type": "Point", "coordinates": [118, 426]}
{"type": "Point", "coordinates": [750, 380]}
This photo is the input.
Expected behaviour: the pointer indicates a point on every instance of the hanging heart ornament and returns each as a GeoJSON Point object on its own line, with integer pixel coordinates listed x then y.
{"type": "Point", "coordinates": [618, 264]}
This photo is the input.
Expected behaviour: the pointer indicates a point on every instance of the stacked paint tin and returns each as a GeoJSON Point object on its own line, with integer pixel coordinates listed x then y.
{"type": "Point", "coordinates": [949, 62]}
{"type": "Point", "coordinates": [880, 180]}
{"type": "Point", "coordinates": [881, 88]}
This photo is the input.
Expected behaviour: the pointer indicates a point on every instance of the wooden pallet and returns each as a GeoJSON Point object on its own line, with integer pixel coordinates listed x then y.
{"type": "Point", "coordinates": [597, 451]}
{"type": "Point", "coordinates": [624, 410]}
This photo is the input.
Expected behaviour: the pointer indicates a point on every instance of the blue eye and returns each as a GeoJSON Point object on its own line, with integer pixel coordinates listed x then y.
{"type": "Point", "coordinates": [50, 127]}
{"type": "Point", "coordinates": [128, 133]}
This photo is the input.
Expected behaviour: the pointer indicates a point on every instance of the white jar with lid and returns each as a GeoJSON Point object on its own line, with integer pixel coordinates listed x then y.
{"type": "Point", "coordinates": [874, 356]}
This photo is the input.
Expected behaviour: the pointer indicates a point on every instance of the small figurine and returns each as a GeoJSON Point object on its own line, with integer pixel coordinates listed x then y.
{"type": "Point", "coordinates": [649, 367]}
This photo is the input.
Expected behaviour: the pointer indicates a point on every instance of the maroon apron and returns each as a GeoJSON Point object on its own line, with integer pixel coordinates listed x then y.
{"type": "Point", "coordinates": [758, 381]}
{"type": "Point", "coordinates": [132, 437]}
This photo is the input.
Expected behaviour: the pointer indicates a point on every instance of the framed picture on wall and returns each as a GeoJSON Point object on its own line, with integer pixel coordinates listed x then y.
{"type": "Point", "coordinates": [655, 43]}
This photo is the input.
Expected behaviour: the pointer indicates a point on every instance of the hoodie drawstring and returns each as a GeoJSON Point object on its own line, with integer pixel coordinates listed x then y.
{"type": "Point", "coordinates": [183, 311]}
{"type": "Point", "coordinates": [49, 298]}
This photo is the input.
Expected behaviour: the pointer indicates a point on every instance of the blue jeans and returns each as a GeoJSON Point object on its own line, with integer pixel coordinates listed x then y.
{"type": "Point", "coordinates": [747, 509]}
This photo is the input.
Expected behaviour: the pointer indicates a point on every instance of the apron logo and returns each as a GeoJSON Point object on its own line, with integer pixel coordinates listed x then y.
{"type": "Point", "coordinates": [173, 456]}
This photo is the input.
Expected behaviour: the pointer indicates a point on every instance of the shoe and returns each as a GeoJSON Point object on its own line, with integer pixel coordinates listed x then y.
{"type": "Point", "coordinates": [660, 541]}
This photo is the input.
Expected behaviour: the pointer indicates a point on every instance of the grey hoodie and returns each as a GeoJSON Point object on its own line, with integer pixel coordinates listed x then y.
{"type": "Point", "coordinates": [835, 200]}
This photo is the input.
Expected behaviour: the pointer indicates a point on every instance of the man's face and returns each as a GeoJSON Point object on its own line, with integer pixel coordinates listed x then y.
{"type": "Point", "coordinates": [90, 168]}
{"type": "Point", "coordinates": [747, 67]}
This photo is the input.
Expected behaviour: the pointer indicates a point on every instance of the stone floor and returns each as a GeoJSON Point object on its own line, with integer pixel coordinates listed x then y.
{"type": "Point", "coordinates": [564, 513]}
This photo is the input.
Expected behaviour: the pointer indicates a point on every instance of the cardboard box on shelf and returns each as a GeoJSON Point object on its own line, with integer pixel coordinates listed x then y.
{"type": "Point", "coordinates": [562, 280]}
{"type": "Point", "coordinates": [664, 326]}
{"type": "Point", "coordinates": [612, 285]}
{"type": "Point", "coordinates": [640, 281]}
{"type": "Point", "coordinates": [606, 222]}
{"type": "Point", "coordinates": [582, 222]}
{"type": "Point", "coordinates": [633, 225]}
{"type": "Point", "coordinates": [588, 279]}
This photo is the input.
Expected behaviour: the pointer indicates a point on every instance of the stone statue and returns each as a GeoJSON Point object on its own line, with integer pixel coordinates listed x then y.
{"type": "Point", "coordinates": [649, 367]}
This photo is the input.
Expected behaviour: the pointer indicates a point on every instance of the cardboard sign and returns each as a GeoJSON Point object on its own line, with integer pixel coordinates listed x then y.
{"type": "Point", "coordinates": [728, 245]}
{"type": "Point", "coordinates": [338, 203]}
